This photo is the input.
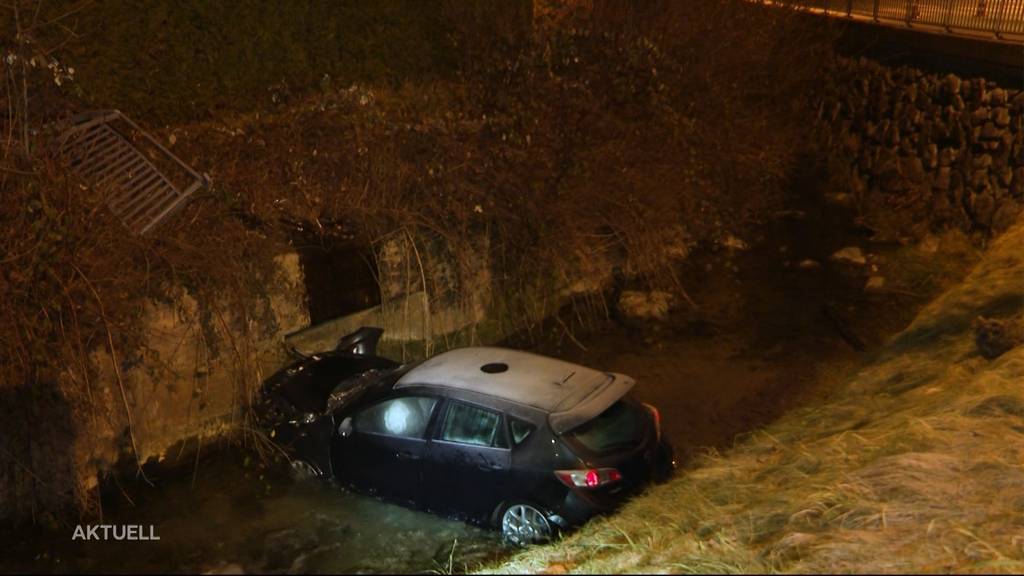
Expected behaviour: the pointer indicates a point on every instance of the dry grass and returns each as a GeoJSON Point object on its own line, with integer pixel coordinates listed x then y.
{"type": "Point", "coordinates": [913, 465]}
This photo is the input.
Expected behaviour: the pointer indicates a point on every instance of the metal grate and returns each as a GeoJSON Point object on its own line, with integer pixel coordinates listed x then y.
{"type": "Point", "coordinates": [144, 182]}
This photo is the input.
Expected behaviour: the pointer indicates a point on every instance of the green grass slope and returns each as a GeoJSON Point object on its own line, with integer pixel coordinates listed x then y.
{"type": "Point", "coordinates": [914, 464]}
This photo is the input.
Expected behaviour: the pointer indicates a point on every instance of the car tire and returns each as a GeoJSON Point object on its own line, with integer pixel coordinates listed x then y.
{"type": "Point", "coordinates": [303, 471]}
{"type": "Point", "coordinates": [523, 524]}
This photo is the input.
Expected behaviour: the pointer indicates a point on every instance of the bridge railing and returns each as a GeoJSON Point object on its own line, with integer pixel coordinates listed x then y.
{"type": "Point", "coordinates": [1003, 19]}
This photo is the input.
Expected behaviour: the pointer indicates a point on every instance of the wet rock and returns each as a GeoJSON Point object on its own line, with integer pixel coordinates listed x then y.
{"type": "Point", "coordinates": [997, 336]}
{"type": "Point", "coordinates": [849, 255]}
{"type": "Point", "coordinates": [653, 305]}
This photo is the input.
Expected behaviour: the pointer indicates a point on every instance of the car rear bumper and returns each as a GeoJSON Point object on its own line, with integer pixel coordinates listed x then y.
{"type": "Point", "coordinates": [582, 504]}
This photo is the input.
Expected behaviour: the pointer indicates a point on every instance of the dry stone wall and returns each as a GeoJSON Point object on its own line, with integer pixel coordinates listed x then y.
{"type": "Point", "coordinates": [920, 151]}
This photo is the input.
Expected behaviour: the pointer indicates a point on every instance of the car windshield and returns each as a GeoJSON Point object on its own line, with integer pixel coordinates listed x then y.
{"type": "Point", "coordinates": [619, 426]}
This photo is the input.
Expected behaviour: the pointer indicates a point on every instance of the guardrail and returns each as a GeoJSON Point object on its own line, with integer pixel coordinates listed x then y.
{"type": "Point", "coordinates": [1003, 19]}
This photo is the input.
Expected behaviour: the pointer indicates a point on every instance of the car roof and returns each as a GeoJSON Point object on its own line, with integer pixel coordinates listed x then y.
{"type": "Point", "coordinates": [544, 383]}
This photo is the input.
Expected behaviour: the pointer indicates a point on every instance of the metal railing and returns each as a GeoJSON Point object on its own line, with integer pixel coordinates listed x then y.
{"type": "Point", "coordinates": [1003, 19]}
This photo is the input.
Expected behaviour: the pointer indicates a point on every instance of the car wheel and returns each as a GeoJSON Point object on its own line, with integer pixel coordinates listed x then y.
{"type": "Point", "coordinates": [522, 525]}
{"type": "Point", "coordinates": [303, 471]}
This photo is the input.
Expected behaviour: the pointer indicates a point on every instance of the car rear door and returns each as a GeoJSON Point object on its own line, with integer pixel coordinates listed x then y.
{"type": "Point", "coordinates": [383, 454]}
{"type": "Point", "coordinates": [469, 460]}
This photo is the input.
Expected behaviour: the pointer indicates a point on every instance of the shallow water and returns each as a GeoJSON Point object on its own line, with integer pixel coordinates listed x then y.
{"type": "Point", "coordinates": [232, 518]}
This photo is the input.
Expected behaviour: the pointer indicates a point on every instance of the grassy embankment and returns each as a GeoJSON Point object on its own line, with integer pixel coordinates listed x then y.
{"type": "Point", "coordinates": [912, 465]}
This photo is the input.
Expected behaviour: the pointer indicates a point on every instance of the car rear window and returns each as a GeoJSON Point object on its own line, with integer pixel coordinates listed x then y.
{"type": "Point", "coordinates": [620, 426]}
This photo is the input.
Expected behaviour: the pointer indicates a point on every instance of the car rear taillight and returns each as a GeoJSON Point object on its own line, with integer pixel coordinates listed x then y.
{"type": "Point", "coordinates": [657, 419]}
{"type": "Point", "coordinates": [592, 478]}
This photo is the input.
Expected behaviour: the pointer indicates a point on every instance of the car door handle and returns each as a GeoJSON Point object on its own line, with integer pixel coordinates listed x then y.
{"type": "Point", "coordinates": [488, 467]}
{"type": "Point", "coordinates": [406, 455]}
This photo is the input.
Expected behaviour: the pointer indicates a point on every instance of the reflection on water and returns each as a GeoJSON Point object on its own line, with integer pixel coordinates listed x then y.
{"type": "Point", "coordinates": [233, 518]}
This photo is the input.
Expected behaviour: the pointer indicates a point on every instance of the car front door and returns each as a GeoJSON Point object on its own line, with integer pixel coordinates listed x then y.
{"type": "Point", "coordinates": [470, 461]}
{"type": "Point", "coordinates": [380, 449]}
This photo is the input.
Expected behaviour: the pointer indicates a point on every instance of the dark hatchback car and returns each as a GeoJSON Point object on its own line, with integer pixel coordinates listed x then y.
{"type": "Point", "coordinates": [498, 437]}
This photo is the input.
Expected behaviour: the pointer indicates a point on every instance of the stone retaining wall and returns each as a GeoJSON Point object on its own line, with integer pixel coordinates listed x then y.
{"type": "Point", "coordinates": [920, 151]}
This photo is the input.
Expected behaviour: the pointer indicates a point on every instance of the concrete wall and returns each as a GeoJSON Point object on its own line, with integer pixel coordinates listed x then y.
{"type": "Point", "coordinates": [189, 382]}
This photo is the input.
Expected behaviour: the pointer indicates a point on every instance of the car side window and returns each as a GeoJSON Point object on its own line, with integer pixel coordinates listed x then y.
{"type": "Point", "coordinates": [520, 430]}
{"type": "Point", "coordinates": [405, 417]}
{"type": "Point", "coordinates": [472, 425]}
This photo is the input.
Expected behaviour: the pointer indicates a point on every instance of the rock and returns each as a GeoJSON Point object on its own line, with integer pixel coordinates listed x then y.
{"type": "Point", "coordinates": [226, 568]}
{"type": "Point", "coordinates": [875, 284]}
{"type": "Point", "coordinates": [947, 156]}
{"type": "Point", "coordinates": [979, 179]}
{"type": "Point", "coordinates": [653, 305]}
{"type": "Point", "coordinates": [849, 255]}
{"type": "Point", "coordinates": [914, 169]}
{"type": "Point", "coordinates": [990, 132]}
{"type": "Point", "coordinates": [931, 156]}
{"type": "Point", "coordinates": [808, 264]}
{"type": "Point", "coordinates": [1005, 175]}
{"type": "Point", "coordinates": [929, 244]}
{"type": "Point", "coordinates": [995, 337]}
{"type": "Point", "coordinates": [981, 115]}
{"type": "Point", "coordinates": [1006, 215]}
{"type": "Point", "coordinates": [1002, 117]}
{"type": "Point", "coordinates": [997, 97]}
{"type": "Point", "coordinates": [942, 179]}
{"type": "Point", "coordinates": [982, 161]}
{"type": "Point", "coordinates": [983, 207]}
{"type": "Point", "coordinates": [953, 84]}
{"type": "Point", "coordinates": [733, 243]}
{"type": "Point", "coordinates": [841, 199]}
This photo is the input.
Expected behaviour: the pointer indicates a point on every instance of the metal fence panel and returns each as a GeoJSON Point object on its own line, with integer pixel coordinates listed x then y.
{"type": "Point", "coordinates": [144, 182]}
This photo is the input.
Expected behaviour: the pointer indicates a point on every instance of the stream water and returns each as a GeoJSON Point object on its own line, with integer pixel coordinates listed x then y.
{"type": "Point", "coordinates": [231, 516]}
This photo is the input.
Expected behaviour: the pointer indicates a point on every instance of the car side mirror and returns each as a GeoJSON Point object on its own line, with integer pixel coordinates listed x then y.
{"type": "Point", "coordinates": [345, 428]}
